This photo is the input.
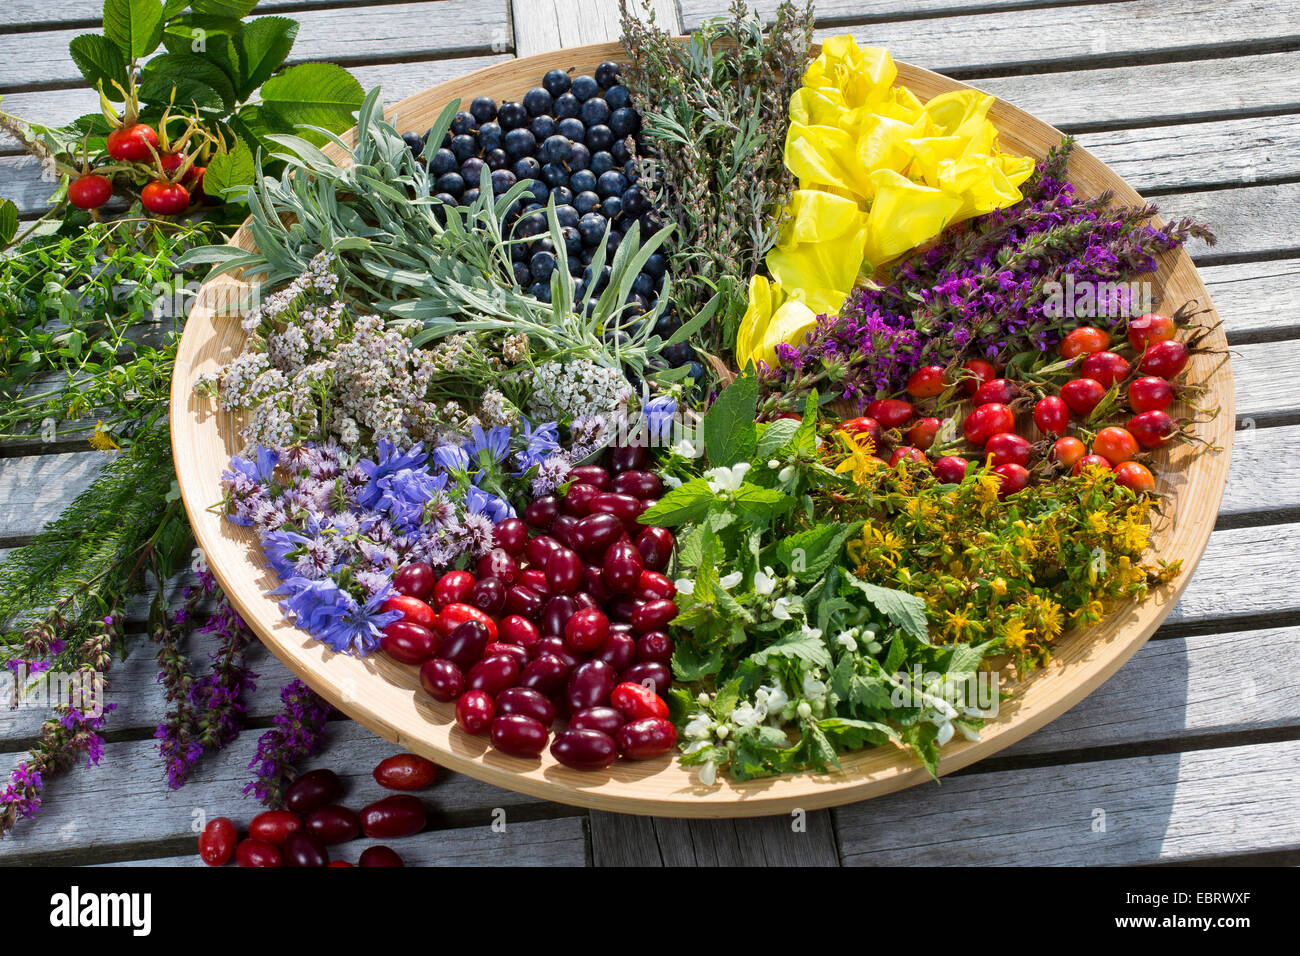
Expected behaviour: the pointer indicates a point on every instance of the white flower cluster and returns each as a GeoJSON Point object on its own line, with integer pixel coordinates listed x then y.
{"type": "Point", "coordinates": [578, 389]}
{"type": "Point", "coordinates": [309, 372]}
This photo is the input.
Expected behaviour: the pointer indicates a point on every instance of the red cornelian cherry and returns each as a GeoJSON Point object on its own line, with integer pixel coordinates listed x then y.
{"type": "Point", "coordinates": [217, 841]}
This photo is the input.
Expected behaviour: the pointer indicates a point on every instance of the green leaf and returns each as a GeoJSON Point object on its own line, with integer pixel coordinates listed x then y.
{"type": "Point", "coordinates": [730, 434]}
{"type": "Point", "coordinates": [8, 221]}
{"type": "Point", "coordinates": [756, 502]}
{"type": "Point", "coordinates": [904, 611]}
{"type": "Point", "coordinates": [687, 502]}
{"type": "Point", "coordinates": [196, 81]}
{"type": "Point", "coordinates": [315, 94]}
{"type": "Point", "coordinates": [224, 8]}
{"type": "Point", "coordinates": [263, 45]}
{"type": "Point", "coordinates": [173, 8]}
{"type": "Point", "coordinates": [134, 25]}
{"type": "Point", "coordinates": [211, 38]}
{"type": "Point", "coordinates": [921, 738]}
{"type": "Point", "coordinates": [229, 170]}
{"type": "Point", "coordinates": [773, 436]}
{"type": "Point", "coordinates": [100, 61]}
{"type": "Point", "coordinates": [849, 734]}
{"type": "Point", "coordinates": [803, 646]}
{"type": "Point", "coordinates": [809, 553]}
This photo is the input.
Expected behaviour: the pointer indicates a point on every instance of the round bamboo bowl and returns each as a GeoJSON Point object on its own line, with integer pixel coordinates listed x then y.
{"type": "Point", "coordinates": [386, 696]}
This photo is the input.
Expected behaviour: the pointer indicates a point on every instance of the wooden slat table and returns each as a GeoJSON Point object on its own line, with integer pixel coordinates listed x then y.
{"type": "Point", "coordinates": [1189, 754]}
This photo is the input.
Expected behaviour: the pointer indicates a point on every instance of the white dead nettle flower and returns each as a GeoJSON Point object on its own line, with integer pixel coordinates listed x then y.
{"type": "Point", "coordinates": [813, 688]}
{"type": "Point", "coordinates": [580, 388]}
{"type": "Point", "coordinates": [847, 641]}
{"type": "Point", "coordinates": [726, 479]}
{"type": "Point", "coordinates": [699, 727]}
{"type": "Point", "coordinates": [708, 773]}
{"type": "Point", "coordinates": [781, 608]}
{"type": "Point", "coordinates": [764, 581]}
{"type": "Point", "coordinates": [685, 448]}
{"type": "Point", "coordinates": [729, 581]}
{"type": "Point", "coordinates": [771, 696]}
{"type": "Point", "coordinates": [685, 586]}
{"type": "Point", "coordinates": [748, 715]}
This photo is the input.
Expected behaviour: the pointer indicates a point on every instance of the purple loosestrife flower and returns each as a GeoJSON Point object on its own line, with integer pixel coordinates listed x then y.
{"type": "Point", "coordinates": [298, 734]}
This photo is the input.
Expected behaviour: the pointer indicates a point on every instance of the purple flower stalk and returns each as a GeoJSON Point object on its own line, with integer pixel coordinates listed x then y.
{"type": "Point", "coordinates": [298, 734]}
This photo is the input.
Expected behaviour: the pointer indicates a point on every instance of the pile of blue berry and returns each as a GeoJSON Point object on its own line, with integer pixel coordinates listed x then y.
{"type": "Point", "coordinates": [574, 139]}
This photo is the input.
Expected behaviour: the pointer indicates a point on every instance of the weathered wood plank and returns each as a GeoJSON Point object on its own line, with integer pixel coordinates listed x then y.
{"type": "Point", "coordinates": [1260, 387]}
{"type": "Point", "coordinates": [410, 31]}
{"type": "Point", "coordinates": [1103, 34]}
{"type": "Point", "coordinates": [24, 13]}
{"type": "Point", "coordinates": [1250, 221]}
{"type": "Point", "coordinates": [1197, 155]}
{"type": "Point", "coordinates": [35, 488]}
{"type": "Point", "coordinates": [1179, 92]}
{"type": "Point", "coordinates": [542, 25]}
{"type": "Point", "coordinates": [124, 800]}
{"type": "Point", "coordinates": [1166, 808]}
{"type": "Point", "coordinates": [536, 843]}
{"type": "Point", "coordinates": [1256, 300]}
{"type": "Point", "coordinates": [134, 689]}
{"type": "Point", "coordinates": [1264, 476]}
{"type": "Point", "coordinates": [695, 12]}
{"type": "Point", "coordinates": [1244, 573]}
{"type": "Point", "coordinates": [1182, 688]}
{"type": "Point", "coordinates": [801, 839]}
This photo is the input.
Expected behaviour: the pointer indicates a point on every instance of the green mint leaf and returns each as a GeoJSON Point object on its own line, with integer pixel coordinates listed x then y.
{"type": "Point", "coordinates": [729, 429]}
{"type": "Point", "coordinates": [805, 647]}
{"type": "Point", "coordinates": [687, 502]}
{"type": "Point", "coordinates": [808, 554]}
{"type": "Point", "coordinates": [772, 437]}
{"type": "Point", "coordinates": [905, 611]}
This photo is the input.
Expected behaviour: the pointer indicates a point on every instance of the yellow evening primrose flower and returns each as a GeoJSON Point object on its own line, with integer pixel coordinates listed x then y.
{"type": "Point", "coordinates": [771, 318]}
{"type": "Point", "coordinates": [879, 173]}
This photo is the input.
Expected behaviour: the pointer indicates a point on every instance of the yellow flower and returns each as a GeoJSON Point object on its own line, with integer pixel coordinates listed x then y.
{"type": "Point", "coordinates": [861, 460]}
{"type": "Point", "coordinates": [998, 586]}
{"type": "Point", "coordinates": [1014, 635]}
{"type": "Point", "coordinates": [957, 623]}
{"type": "Point", "coordinates": [101, 440]}
{"type": "Point", "coordinates": [772, 317]}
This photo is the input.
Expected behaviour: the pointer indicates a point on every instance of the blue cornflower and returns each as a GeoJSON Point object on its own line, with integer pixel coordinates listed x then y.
{"type": "Point", "coordinates": [390, 461]}
{"type": "Point", "coordinates": [452, 459]}
{"type": "Point", "coordinates": [259, 470]}
{"type": "Point", "coordinates": [278, 545]}
{"type": "Point", "coordinates": [334, 617]}
{"type": "Point", "coordinates": [404, 494]}
{"type": "Point", "coordinates": [478, 501]}
{"type": "Point", "coordinates": [539, 444]}
{"type": "Point", "coordinates": [659, 414]}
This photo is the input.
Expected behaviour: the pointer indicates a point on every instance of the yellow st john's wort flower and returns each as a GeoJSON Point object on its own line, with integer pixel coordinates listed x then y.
{"type": "Point", "coordinates": [101, 440]}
